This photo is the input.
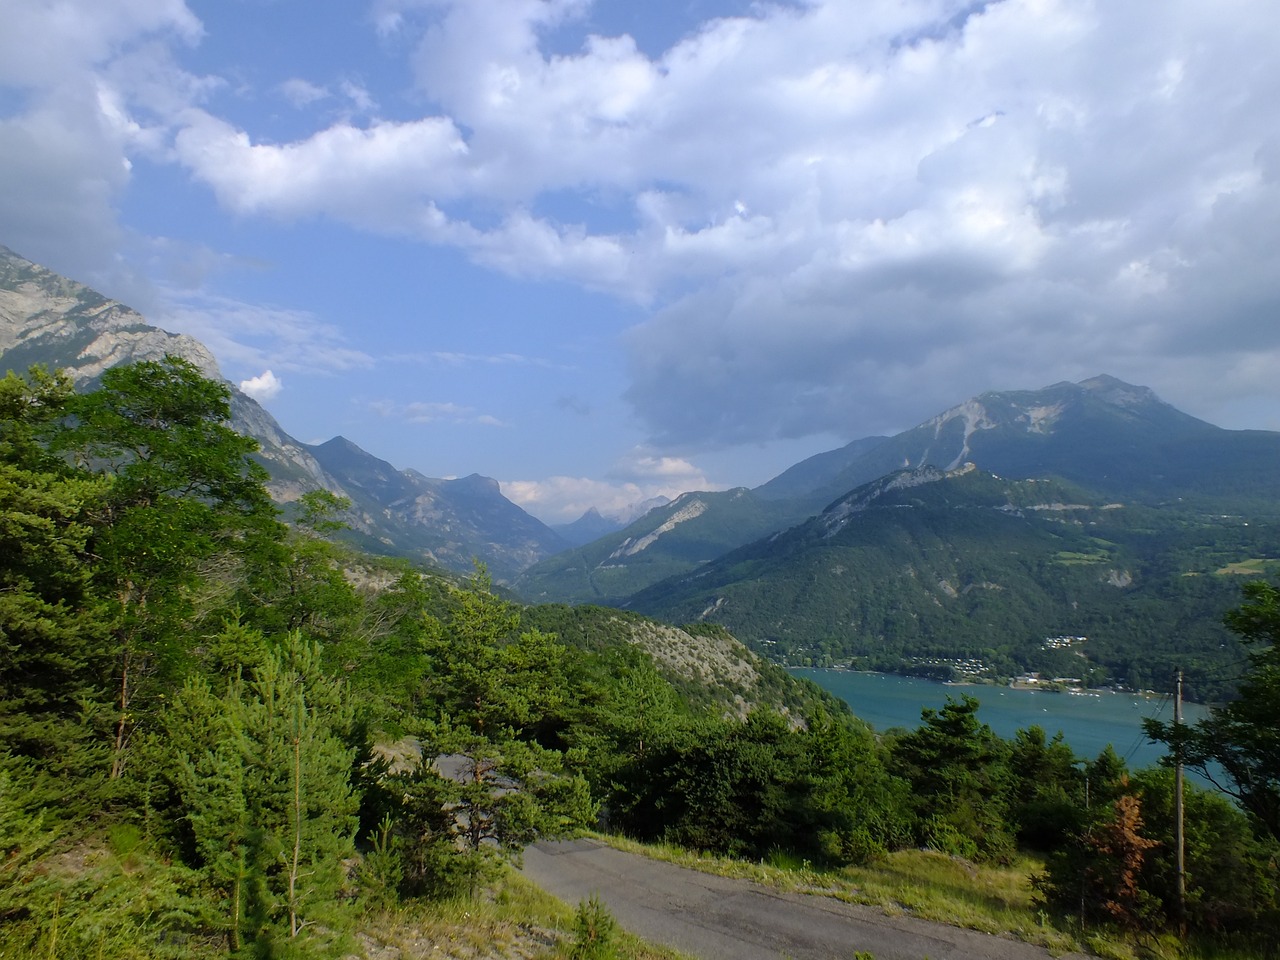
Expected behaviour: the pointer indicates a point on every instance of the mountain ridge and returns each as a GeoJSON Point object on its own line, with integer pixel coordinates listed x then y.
{"type": "Point", "coordinates": [1120, 440]}
{"type": "Point", "coordinates": [933, 565]}
{"type": "Point", "coordinates": [49, 319]}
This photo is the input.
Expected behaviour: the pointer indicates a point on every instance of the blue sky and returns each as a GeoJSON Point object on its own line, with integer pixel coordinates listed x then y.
{"type": "Point", "coordinates": [606, 250]}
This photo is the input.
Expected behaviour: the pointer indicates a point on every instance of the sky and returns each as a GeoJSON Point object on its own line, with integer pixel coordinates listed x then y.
{"type": "Point", "coordinates": [602, 251]}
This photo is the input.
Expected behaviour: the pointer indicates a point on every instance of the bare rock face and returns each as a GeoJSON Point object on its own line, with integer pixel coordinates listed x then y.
{"type": "Point", "coordinates": [51, 320]}
{"type": "Point", "coordinates": [46, 318]}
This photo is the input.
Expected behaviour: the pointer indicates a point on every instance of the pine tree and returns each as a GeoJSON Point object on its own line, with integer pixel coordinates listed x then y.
{"type": "Point", "coordinates": [54, 649]}
{"type": "Point", "coordinates": [265, 775]}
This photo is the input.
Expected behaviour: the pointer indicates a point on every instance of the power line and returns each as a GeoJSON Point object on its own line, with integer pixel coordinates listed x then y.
{"type": "Point", "coordinates": [1141, 738]}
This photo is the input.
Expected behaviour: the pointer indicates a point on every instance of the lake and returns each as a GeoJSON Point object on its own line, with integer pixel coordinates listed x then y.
{"type": "Point", "coordinates": [1089, 722]}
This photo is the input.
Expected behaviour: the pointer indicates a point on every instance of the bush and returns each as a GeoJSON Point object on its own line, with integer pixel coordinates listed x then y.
{"type": "Point", "coordinates": [593, 932]}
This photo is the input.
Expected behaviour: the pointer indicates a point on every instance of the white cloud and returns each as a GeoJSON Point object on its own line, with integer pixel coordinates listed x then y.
{"type": "Point", "coordinates": [262, 387]}
{"type": "Point", "coordinates": [302, 93]}
{"type": "Point", "coordinates": [671, 473]}
{"type": "Point", "coordinates": [254, 336]}
{"type": "Point", "coordinates": [565, 499]}
{"type": "Point", "coordinates": [434, 412]}
{"type": "Point", "coordinates": [360, 97]}
{"type": "Point", "coordinates": [84, 85]}
{"type": "Point", "coordinates": [381, 176]}
{"type": "Point", "coordinates": [639, 476]}
{"type": "Point", "coordinates": [47, 44]}
{"type": "Point", "coordinates": [844, 214]}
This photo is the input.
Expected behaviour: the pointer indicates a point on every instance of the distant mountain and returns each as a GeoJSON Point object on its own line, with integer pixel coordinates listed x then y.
{"type": "Point", "coordinates": [1101, 433]}
{"type": "Point", "coordinates": [449, 522]}
{"type": "Point", "coordinates": [693, 529]}
{"type": "Point", "coordinates": [592, 525]}
{"type": "Point", "coordinates": [1113, 438]}
{"type": "Point", "coordinates": [925, 565]}
{"type": "Point", "coordinates": [46, 318]}
{"type": "Point", "coordinates": [808, 479]}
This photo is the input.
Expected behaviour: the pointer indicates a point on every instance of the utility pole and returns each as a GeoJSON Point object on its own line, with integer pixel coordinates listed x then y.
{"type": "Point", "coordinates": [1177, 806]}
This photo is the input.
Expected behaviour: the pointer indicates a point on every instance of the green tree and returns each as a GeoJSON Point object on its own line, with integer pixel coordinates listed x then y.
{"type": "Point", "coordinates": [856, 807]}
{"type": "Point", "coordinates": [486, 678]}
{"type": "Point", "coordinates": [1046, 789]}
{"type": "Point", "coordinates": [957, 771]}
{"type": "Point", "coordinates": [183, 489]}
{"type": "Point", "coordinates": [472, 805]}
{"type": "Point", "coordinates": [54, 649]}
{"type": "Point", "coordinates": [1237, 748]}
{"type": "Point", "coordinates": [1100, 872]}
{"type": "Point", "coordinates": [1231, 877]}
{"type": "Point", "coordinates": [297, 582]}
{"type": "Point", "coordinates": [212, 753]}
{"type": "Point", "coordinates": [264, 773]}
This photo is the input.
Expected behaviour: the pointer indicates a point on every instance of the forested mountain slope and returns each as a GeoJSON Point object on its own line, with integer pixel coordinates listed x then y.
{"type": "Point", "coordinates": [927, 565]}
{"type": "Point", "coordinates": [1118, 441]}
{"type": "Point", "coordinates": [693, 529]}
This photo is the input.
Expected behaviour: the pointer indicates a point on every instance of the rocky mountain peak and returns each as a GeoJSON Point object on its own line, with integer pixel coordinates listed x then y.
{"type": "Point", "coordinates": [46, 318]}
{"type": "Point", "coordinates": [1118, 393]}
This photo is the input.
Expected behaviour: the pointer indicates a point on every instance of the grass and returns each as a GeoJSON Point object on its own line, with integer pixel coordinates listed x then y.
{"type": "Point", "coordinates": [1251, 567]}
{"type": "Point", "coordinates": [516, 920]}
{"type": "Point", "coordinates": [933, 886]}
{"type": "Point", "coordinates": [1070, 558]}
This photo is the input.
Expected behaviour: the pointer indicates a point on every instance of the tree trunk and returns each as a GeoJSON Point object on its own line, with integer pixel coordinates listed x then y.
{"type": "Point", "coordinates": [294, 925]}
{"type": "Point", "coordinates": [122, 724]}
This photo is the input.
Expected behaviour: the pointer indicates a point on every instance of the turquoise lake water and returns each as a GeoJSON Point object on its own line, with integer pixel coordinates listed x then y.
{"type": "Point", "coordinates": [1088, 722]}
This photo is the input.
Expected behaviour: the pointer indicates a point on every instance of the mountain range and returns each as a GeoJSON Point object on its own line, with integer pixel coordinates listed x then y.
{"type": "Point", "coordinates": [1090, 509]}
{"type": "Point", "coordinates": [51, 320]}
{"type": "Point", "coordinates": [1115, 439]}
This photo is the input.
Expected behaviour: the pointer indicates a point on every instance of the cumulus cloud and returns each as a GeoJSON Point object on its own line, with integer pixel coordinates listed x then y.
{"type": "Point", "coordinates": [841, 215]}
{"type": "Point", "coordinates": [835, 207]}
{"type": "Point", "coordinates": [262, 387]}
{"type": "Point", "coordinates": [638, 477]}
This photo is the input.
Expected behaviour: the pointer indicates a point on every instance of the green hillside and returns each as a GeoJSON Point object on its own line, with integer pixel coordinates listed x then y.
{"type": "Point", "coordinates": [691, 530]}
{"type": "Point", "coordinates": [927, 566]}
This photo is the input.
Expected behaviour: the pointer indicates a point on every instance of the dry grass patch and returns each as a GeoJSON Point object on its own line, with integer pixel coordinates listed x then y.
{"type": "Point", "coordinates": [517, 920]}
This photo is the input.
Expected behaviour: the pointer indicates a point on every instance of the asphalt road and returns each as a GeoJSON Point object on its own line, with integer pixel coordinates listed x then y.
{"type": "Point", "coordinates": [717, 918]}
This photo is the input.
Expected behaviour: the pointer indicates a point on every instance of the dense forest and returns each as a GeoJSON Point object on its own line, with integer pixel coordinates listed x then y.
{"type": "Point", "coordinates": [224, 735]}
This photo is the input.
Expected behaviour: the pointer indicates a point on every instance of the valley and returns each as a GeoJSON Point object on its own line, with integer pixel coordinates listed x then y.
{"type": "Point", "coordinates": [258, 695]}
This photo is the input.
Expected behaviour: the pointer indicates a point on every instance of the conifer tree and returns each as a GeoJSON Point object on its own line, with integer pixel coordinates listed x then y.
{"type": "Point", "coordinates": [265, 773]}
{"type": "Point", "coordinates": [956, 769]}
{"type": "Point", "coordinates": [53, 629]}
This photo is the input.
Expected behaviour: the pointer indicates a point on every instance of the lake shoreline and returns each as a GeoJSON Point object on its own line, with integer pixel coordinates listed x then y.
{"type": "Point", "coordinates": [1088, 723]}
{"type": "Point", "coordinates": [1009, 683]}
